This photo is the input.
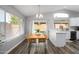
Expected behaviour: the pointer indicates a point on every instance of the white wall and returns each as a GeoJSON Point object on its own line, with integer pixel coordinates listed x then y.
{"type": "Point", "coordinates": [7, 46]}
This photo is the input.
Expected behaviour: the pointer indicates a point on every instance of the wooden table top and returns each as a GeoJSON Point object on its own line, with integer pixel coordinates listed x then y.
{"type": "Point", "coordinates": [37, 36]}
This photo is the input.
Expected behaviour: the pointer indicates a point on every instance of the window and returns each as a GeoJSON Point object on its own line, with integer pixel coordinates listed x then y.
{"type": "Point", "coordinates": [39, 28]}
{"type": "Point", "coordinates": [61, 24]}
{"type": "Point", "coordinates": [14, 26]}
{"type": "Point", "coordinates": [11, 26]}
{"type": "Point", "coordinates": [2, 25]}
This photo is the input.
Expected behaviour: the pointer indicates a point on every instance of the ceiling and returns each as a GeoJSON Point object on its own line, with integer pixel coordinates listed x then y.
{"type": "Point", "coordinates": [29, 10]}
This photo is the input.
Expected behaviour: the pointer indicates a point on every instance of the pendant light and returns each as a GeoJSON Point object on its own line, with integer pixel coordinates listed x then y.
{"type": "Point", "coordinates": [39, 15]}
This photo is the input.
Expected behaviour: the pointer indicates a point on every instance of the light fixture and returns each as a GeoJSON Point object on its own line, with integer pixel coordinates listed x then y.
{"type": "Point", "coordinates": [39, 15]}
{"type": "Point", "coordinates": [61, 15]}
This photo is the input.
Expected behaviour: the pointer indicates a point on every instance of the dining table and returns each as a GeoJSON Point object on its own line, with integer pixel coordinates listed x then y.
{"type": "Point", "coordinates": [37, 37]}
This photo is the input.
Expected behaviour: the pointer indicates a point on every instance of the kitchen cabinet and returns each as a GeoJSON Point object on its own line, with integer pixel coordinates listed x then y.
{"type": "Point", "coordinates": [74, 21]}
{"type": "Point", "coordinates": [58, 38]}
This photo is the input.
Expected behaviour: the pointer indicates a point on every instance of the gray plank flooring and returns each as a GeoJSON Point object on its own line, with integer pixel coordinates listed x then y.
{"type": "Point", "coordinates": [26, 48]}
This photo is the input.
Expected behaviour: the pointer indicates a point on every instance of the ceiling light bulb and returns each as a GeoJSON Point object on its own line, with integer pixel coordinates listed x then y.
{"type": "Point", "coordinates": [37, 16]}
{"type": "Point", "coordinates": [40, 16]}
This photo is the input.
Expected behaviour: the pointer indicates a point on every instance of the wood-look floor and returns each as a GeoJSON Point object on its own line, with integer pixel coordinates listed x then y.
{"type": "Point", "coordinates": [25, 48]}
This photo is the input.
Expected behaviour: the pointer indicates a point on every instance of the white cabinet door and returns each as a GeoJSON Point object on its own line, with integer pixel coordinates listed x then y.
{"type": "Point", "coordinates": [68, 35]}
{"type": "Point", "coordinates": [74, 22]}
{"type": "Point", "coordinates": [77, 35]}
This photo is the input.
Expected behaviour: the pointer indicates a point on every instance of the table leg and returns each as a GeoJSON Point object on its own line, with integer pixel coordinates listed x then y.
{"type": "Point", "coordinates": [46, 43]}
{"type": "Point", "coordinates": [37, 41]}
{"type": "Point", "coordinates": [45, 46]}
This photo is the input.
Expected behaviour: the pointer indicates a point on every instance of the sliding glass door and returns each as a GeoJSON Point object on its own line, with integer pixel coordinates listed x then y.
{"type": "Point", "coordinates": [14, 26]}
{"type": "Point", "coordinates": [11, 26]}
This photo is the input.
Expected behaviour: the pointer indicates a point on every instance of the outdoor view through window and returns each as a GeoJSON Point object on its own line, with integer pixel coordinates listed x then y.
{"type": "Point", "coordinates": [10, 26]}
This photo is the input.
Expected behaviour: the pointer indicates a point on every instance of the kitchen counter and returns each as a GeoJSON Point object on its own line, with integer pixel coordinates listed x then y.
{"type": "Point", "coordinates": [58, 38]}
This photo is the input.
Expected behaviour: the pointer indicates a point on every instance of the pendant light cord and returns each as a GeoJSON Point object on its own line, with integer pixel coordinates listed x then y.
{"type": "Point", "coordinates": [39, 11]}
{"type": "Point", "coordinates": [39, 15]}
